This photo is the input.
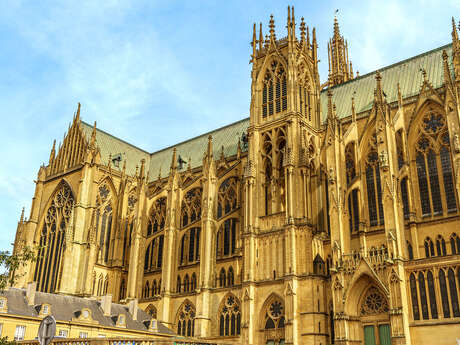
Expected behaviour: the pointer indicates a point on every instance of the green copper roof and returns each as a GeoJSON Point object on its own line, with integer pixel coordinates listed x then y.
{"type": "Point", "coordinates": [110, 145]}
{"type": "Point", "coordinates": [406, 72]}
{"type": "Point", "coordinates": [195, 148]}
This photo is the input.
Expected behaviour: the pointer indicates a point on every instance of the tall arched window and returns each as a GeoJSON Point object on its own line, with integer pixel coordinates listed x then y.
{"type": "Point", "coordinates": [157, 217]}
{"type": "Point", "coordinates": [410, 250]}
{"type": "Point", "coordinates": [374, 190]}
{"type": "Point", "coordinates": [104, 222]}
{"type": "Point", "coordinates": [440, 246]}
{"type": "Point", "coordinates": [306, 105]}
{"type": "Point", "coordinates": [178, 285]}
{"type": "Point", "coordinates": [100, 287]}
{"type": "Point", "coordinates": [57, 218]}
{"type": "Point", "coordinates": [423, 299]}
{"type": "Point", "coordinates": [444, 296]}
{"type": "Point", "coordinates": [193, 282]}
{"type": "Point", "coordinates": [400, 148]}
{"type": "Point", "coordinates": [146, 289]}
{"type": "Point", "coordinates": [432, 294]}
{"type": "Point", "coordinates": [405, 198]}
{"type": "Point", "coordinates": [227, 197]}
{"type": "Point", "coordinates": [434, 165]}
{"type": "Point", "coordinates": [189, 250]}
{"type": "Point", "coordinates": [186, 283]}
{"type": "Point", "coordinates": [154, 287]}
{"type": "Point", "coordinates": [429, 247]}
{"type": "Point", "coordinates": [226, 238]}
{"type": "Point", "coordinates": [453, 292]}
{"type": "Point", "coordinates": [154, 254]}
{"type": "Point", "coordinates": [454, 244]}
{"type": "Point", "coordinates": [230, 277]}
{"type": "Point", "coordinates": [222, 278]}
{"type": "Point", "coordinates": [414, 297]}
{"type": "Point", "coordinates": [353, 210]}
{"type": "Point", "coordinates": [191, 207]}
{"type": "Point", "coordinates": [350, 163]}
{"type": "Point", "coordinates": [274, 94]}
{"type": "Point", "coordinates": [230, 317]}
{"type": "Point", "coordinates": [185, 320]}
{"type": "Point", "coordinates": [123, 289]}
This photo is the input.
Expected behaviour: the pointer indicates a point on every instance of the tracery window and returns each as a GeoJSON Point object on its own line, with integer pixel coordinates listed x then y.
{"type": "Point", "coordinates": [455, 244]}
{"type": "Point", "coordinates": [152, 311]}
{"type": "Point", "coordinates": [274, 94]}
{"type": "Point", "coordinates": [186, 320]}
{"type": "Point", "coordinates": [157, 217]}
{"type": "Point", "coordinates": [429, 247]}
{"type": "Point", "coordinates": [186, 283]}
{"type": "Point", "coordinates": [441, 246]}
{"type": "Point", "coordinates": [374, 302]}
{"type": "Point", "coordinates": [374, 190]}
{"type": "Point", "coordinates": [274, 317]}
{"type": "Point", "coordinates": [405, 198]}
{"type": "Point", "coordinates": [154, 254]}
{"type": "Point", "coordinates": [230, 317]}
{"type": "Point", "coordinates": [350, 163]}
{"type": "Point", "coordinates": [434, 166]}
{"type": "Point", "coordinates": [414, 297]}
{"type": "Point", "coordinates": [226, 238]}
{"type": "Point", "coordinates": [353, 210]}
{"type": "Point", "coordinates": [191, 207]}
{"type": "Point", "coordinates": [227, 197]}
{"type": "Point", "coordinates": [104, 222]}
{"type": "Point", "coordinates": [52, 238]}
{"type": "Point", "coordinates": [189, 251]}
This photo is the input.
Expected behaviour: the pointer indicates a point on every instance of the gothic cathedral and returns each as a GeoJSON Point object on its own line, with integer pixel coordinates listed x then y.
{"type": "Point", "coordinates": [329, 216]}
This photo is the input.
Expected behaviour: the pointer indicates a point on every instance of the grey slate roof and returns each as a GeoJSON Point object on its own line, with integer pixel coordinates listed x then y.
{"type": "Point", "coordinates": [65, 308]}
{"type": "Point", "coordinates": [406, 72]}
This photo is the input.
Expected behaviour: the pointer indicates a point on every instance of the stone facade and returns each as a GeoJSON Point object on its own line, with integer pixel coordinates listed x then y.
{"type": "Point", "coordinates": [329, 216]}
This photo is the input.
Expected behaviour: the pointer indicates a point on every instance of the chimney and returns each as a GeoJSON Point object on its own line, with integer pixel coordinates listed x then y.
{"type": "Point", "coordinates": [30, 293]}
{"type": "Point", "coordinates": [133, 308]}
{"type": "Point", "coordinates": [106, 304]}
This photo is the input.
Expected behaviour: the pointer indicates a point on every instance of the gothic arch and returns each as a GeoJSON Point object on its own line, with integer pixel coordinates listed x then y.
{"type": "Point", "coordinates": [185, 319]}
{"type": "Point", "coordinates": [52, 234]}
{"type": "Point", "coordinates": [229, 316]}
{"type": "Point", "coordinates": [269, 59]}
{"type": "Point", "coordinates": [357, 290]}
{"type": "Point", "coordinates": [151, 310]}
{"type": "Point", "coordinates": [272, 319]}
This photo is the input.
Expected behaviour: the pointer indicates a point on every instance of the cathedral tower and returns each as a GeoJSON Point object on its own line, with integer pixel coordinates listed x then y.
{"type": "Point", "coordinates": [283, 214]}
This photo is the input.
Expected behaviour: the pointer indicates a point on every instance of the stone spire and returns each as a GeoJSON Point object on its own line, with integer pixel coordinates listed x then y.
{"type": "Point", "coordinates": [340, 68]}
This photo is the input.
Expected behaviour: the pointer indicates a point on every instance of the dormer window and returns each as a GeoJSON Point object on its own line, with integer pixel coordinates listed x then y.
{"type": "Point", "coordinates": [85, 314]}
{"type": "Point", "coordinates": [121, 320]}
{"type": "Point", "coordinates": [46, 309]}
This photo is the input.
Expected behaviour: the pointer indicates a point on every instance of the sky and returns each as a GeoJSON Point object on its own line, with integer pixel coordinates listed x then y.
{"type": "Point", "coordinates": [155, 73]}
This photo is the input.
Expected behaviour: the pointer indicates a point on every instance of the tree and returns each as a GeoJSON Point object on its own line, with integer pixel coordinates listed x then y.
{"type": "Point", "coordinates": [10, 263]}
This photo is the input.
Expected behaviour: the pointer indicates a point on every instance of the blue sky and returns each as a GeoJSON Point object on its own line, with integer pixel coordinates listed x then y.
{"type": "Point", "coordinates": [158, 72]}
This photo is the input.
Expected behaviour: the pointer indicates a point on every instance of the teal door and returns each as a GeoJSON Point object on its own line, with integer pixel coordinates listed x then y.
{"type": "Point", "coordinates": [369, 335]}
{"type": "Point", "coordinates": [384, 335]}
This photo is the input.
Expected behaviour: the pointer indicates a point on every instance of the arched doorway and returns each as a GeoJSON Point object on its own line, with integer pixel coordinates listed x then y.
{"type": "Point", "coordinates": [375, 319]}
{"type": "Point", "coordinates": [273, 321]}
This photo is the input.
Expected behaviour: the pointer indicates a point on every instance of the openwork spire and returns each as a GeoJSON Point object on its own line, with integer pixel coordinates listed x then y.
{"type": "Point", "coordinates": [340, 68]}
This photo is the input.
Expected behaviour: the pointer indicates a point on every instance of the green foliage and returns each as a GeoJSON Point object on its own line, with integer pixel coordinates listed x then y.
{"type": "Point", "coordinates": [5, 341]}
{"type": "Point", "coordinates": [10, 263]}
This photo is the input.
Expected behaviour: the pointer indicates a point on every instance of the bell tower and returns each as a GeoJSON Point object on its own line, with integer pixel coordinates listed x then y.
{"type": "Point", "coordinates": [282, 177]}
